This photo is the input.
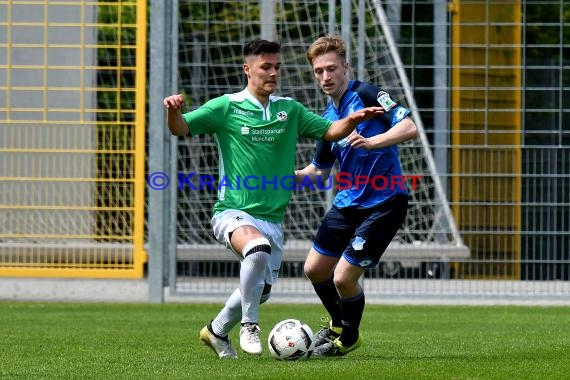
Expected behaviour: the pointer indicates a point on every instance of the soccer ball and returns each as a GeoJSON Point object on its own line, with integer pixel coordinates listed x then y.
{"type": "Point", "coordinates": [291, 339]}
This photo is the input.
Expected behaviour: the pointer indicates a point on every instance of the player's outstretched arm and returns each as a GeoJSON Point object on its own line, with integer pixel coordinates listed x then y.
{"type": "Point", "coordinates": [313, 173]}
{"type": "Point", "coordinates": [174, 119]}
{"type": "Point", "coordinates": [403, 131]}
{"type": "Point", "coordinates": [342, 128]}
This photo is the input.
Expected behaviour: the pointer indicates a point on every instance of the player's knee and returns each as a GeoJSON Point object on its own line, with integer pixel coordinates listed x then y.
{"type": "Point", "coordinates": [256, 245]}
{"type": "Point", "coordinates": [345, 284]}
{"type": "Point", "coordinates": [315, 273]}
{"type": "Point", "coordinates": [339, 282]}
{"type": "Point", "coordinates": [310, 271]}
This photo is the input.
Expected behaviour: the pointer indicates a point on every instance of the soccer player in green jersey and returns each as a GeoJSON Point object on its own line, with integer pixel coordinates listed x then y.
{"type": "Point", "coordinates": [256, 135]}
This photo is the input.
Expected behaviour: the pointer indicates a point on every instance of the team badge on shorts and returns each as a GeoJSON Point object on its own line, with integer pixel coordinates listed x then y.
{"type": "Point", "coordinates": [358, 243]}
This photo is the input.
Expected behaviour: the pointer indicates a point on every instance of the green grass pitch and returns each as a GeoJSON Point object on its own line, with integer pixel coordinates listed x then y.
{"type": "Point", "coordinates": [146, 341]}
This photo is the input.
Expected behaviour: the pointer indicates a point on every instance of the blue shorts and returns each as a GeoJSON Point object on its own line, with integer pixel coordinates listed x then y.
{"type": "Point", "coordinates": [361, 235]}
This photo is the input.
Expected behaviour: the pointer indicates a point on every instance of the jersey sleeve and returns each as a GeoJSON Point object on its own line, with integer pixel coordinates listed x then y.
{"type": "Point", "coordinates": [324, 157]}
{"type": "Point", "coordinates": [208, 118]}
{"type": "Point", "coordinates": [312, 125]}
{"type": "Point", "coordinates": [369, 94]}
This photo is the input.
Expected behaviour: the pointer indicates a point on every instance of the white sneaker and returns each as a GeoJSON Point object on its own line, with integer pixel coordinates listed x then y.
{"type": "Point", "coordinates": [222, 347]}
{"type": "Point", "coordinates": [249, 339]}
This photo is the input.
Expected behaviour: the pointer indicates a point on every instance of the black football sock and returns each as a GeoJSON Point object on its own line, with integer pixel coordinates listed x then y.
{"type": "Point", "coordinates": [329, 297]}
{"type": "Point", "coordinates": [351, 310]}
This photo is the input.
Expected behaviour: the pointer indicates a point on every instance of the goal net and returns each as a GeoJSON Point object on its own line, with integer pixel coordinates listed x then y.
{"type": "Point", "coordinates": [211, 36]}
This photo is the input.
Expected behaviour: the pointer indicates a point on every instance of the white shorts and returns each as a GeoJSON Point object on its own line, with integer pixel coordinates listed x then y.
{"type": "Point", "coordinates": [228, 221]}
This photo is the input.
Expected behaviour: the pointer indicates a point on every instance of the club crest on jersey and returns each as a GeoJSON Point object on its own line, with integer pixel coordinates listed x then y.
{"type": "Point", "coordinates": [245, 130]}
{"type": "Point", "coordinates": [282, 115]}
{"type": "Point", "coordinates": [358, 243]}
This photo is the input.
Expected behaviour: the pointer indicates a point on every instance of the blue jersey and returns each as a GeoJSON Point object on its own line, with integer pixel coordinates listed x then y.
{"type": "Point", "coordinates": [366, 178]}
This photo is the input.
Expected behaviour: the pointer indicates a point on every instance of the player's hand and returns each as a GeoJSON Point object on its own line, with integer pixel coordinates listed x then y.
{"type": "Point", "coordinates": [174, 102]}
{"type": "Point", "coordinates": [356, 140]}
{"type": "Point", "coordinates": [366, 114]}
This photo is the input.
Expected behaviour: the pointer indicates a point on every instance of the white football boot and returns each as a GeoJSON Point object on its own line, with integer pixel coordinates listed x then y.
{"type": "Point", "coordinates": [249, 339]}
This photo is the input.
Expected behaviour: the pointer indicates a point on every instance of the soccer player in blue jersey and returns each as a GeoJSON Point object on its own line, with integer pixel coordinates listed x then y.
{"type": "Point", "coordinates": [366, 215]}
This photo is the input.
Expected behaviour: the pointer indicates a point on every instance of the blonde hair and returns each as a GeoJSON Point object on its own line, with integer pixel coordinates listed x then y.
{"type": "Point", "coordinates": [326, 44]}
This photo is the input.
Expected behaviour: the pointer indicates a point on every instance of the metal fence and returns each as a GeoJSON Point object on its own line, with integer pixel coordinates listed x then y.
{"type": "Point", "coordinates": [488, 82]}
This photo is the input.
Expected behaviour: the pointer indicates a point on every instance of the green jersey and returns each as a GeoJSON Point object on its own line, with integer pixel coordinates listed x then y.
{"type": "Point", "coordinates": [256, 148]}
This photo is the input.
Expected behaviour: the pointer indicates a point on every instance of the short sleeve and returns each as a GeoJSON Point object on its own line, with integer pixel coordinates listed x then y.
{"type": "Point", "coordinates": [208, 118]}
{"type": "Point", "coordinates": [312, 125]}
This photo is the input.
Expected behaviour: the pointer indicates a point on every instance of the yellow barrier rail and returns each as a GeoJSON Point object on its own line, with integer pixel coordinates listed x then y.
{"type": "Point", "coordinates": [72, 138]}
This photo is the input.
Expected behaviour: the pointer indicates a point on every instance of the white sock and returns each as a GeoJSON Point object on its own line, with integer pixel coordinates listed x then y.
{"type": "Point", "coordinates": [229, 316]}
{"type": "Point", "coordinates": [252, 281]}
